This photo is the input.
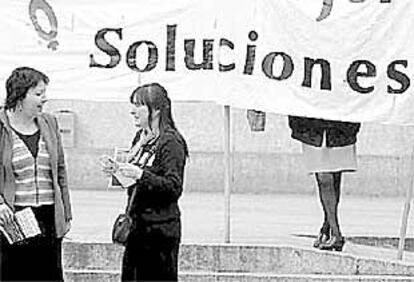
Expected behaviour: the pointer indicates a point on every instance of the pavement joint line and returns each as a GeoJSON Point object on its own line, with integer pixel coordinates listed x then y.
{"type": "Point", "coordinates": [253, 274]}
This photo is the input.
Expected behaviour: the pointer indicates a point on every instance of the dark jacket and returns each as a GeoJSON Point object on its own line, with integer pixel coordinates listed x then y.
{"type": "Point", "coordinates": [310, 131]}
{"type": "Point", "coordinates": [161, 183]}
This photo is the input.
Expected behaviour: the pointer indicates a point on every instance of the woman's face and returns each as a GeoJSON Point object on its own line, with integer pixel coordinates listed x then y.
{"type": "Point", "coordinates": [140, 114]}
{"type": "Point", "coordinates": [32, 105]}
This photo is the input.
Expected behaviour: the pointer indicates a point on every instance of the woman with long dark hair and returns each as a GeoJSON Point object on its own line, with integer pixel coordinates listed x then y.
{"type": "Point", "coordinates": [157, 160]}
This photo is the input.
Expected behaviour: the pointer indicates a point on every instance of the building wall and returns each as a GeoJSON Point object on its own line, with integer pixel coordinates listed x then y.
{"type": "Point", "coordinates": [264, 162]}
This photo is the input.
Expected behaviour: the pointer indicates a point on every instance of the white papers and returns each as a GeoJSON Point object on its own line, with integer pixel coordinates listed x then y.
{"type": "Point", "coordinates": [118, 179]}
{"type": "Point", "coordinates": [124, 181]}
{"type": "Point", "coordinates": [23, 226]}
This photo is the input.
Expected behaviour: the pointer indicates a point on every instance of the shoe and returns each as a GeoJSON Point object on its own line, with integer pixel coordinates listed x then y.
{"type": "Point", "coordinates": [321, 238]}
{"type": "Point", "coordinates": [335, 243]}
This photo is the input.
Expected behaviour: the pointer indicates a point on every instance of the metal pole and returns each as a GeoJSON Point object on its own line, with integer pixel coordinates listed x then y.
{"type": "Point", "coordinates": [406, 211]}
{"type": "Point", "coordinates": [227, 174]}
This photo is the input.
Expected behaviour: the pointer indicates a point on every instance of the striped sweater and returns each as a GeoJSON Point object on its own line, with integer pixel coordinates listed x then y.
{"type": "Point", "coordinates": [33, 175]}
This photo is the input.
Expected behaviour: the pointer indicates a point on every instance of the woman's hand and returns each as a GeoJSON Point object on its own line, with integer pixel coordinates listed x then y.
{"type": "Point", "coordinates": [108, 165]}
{"type": "Point", "coordinates": [6, 214]}
{"type": "Point", "coordinates": [131, 171]}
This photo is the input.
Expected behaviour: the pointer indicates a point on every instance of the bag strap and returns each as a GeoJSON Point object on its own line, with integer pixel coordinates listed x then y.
{"type": "Point", "coordinates": [1, 143]}
{"type": "Point", "coordinates": [2, 200]}
{"type": "Point", "coordinates": [129, 207]}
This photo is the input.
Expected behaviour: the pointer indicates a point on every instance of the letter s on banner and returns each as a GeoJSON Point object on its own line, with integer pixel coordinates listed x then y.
{"type": "Point", "coordinates": [47, 9]}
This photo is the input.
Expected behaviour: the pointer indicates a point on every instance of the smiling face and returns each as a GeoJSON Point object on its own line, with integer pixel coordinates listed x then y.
{"type": "Point", "coordinates": [35, 98]}
{"type": "Point", "coordinates": [140, 113]}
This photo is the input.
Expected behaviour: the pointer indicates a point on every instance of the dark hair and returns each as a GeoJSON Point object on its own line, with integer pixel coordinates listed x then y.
{"type": "Point", "coordinates": [19, 82]}
{"type": "Point", "coordinates": [155, 97]}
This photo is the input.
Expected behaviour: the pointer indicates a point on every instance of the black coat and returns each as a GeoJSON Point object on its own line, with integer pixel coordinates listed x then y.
{"type": "Point", "coordinates": [310, 131]}
{"type": "Point", "coordinates": [161, 183]}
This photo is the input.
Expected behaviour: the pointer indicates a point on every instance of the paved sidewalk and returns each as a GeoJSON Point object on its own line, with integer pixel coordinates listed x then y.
{"type": "Point", "coordinates": [255, 219]}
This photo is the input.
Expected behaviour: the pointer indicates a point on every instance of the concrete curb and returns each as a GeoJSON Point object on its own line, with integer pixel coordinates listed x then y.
{"type": "Point", "coordinates": [219, 258]}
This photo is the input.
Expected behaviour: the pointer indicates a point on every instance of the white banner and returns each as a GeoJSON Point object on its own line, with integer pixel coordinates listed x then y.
{"type": "Point", "coordinates": [346, 60]}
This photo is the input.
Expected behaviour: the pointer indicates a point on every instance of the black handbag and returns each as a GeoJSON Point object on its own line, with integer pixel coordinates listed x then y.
{"type": "Point", "coordinates": [123, 224]}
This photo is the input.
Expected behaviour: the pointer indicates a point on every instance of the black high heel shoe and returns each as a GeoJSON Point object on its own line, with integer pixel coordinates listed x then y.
{"type": "Point", "coordinates": [322, 238]}
{"type": "Point", "coordinates": [335, 243]}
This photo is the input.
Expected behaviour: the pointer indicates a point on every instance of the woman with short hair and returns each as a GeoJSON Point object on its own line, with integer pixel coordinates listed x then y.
{"type": "Point", "coordinates": [32, 175]}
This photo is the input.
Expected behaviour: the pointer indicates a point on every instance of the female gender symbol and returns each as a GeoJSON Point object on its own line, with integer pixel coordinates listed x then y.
{"type": "Point", "coordinates": [326, 10]}
{"type": "Point", "coordinates": [47, 9]}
